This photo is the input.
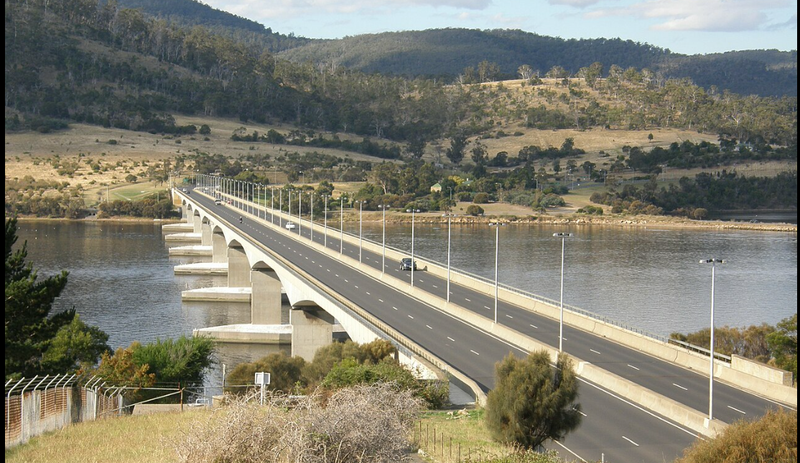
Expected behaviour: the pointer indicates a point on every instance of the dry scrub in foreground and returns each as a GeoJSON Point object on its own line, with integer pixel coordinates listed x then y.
{"type": "Point", "coordinates": [362, 424]}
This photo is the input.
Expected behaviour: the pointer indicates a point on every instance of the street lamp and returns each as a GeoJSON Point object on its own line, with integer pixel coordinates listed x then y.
{"type": "Point", "coordinates": [713, 263]}
{"type": "Point", "coordinates": [383, 264]}
{"type": "Point", "coordinates": [360, 222]}
{"type": "Point", "coordinates": [449, 216]}
{"type": "Point", "coordinates": [341, 224]}
{"type": "Point", "coordinates": [325, 197]}
{"type": "Point", "coordinates": [311, 224]}
{"type": "Point", "coordinates": [563, 237]}
{"type": "Point", "coordinates": [413, 262]}
{"type": "Point", "coordinates": [496, 226]}
{"type": "Point", "coordinates": [299, 213]}
{"type": "Point", "coordinates": [272, 204]}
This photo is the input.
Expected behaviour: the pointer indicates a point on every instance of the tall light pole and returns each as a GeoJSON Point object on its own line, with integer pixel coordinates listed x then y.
{"type": "Point", "coordinates": [341, 224]}
{"type": "Point", "coordinates": [325, 197]}
{"type": "Point", "coordinates": [300, 213]}
{"type": "Point", "coordinates": [563, 237]}
{"type": "Point", "coordinates": [383, 264]}
{"type": "Point", "coordinates": [713, 263]}
{"type": "Point", "coordinates": [496, 226]}
{"type": "Point", "coordinates": [272, 204]}
{"type": "Point", "coordinates": [360, 222]}
{"type": "Point", "coordinates": [311, 223]}
{"type": "Point", "coordinates": [449, 216]}
{"type": "Point", "coordinates": [413, 262]}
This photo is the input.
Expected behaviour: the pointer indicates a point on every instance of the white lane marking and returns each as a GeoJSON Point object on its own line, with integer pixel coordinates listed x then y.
{"type": "Point", "coordinates": [467, 299]}
{"type": "Point", "coordinates": [380, 300]}
{"type": "Point", "coordinates": [509, 316]}
{"type": "Point", "coordinates": [582, 414]}
{"type": "Point", "coordinates": [737, 410]}
{"type": "Point", "coordinates": [598, 353]}
{"type": "Point", "coordinates": [679, 386]}
{"type": "Point", "coordinates": [451, 339]}
{"type": "Point", "coordinates": [534, 326]}
{"type": "Point", "coordinates": [337, 276]}
{"type": "Point", "coordinates": [354, 285]}
{"type": "Point", "coordinates": [429, 327]}
{"type": "Point", "coordinates": [570, 451]}
{"type": "Point", "coordinates": [474, 352]}
{"type": "Point", "coordinates": [435, 286]}
{"type": "Point", "coordinates": [632, 442]}
{"type": "Point", "coordinates": [411, 317]}
{"type": "Point", "coordinates": [346, 280]}
{"type": "Point", "coordinates": [395, 308]}
{"type": "Point", "coordinates": [633, 367]}
{"type": "Point", "coordinates": [487, 307]}
{"type": "Point", "coordinates": [328, 270]}
{"type": "Point", "coordinates": [368, 294]}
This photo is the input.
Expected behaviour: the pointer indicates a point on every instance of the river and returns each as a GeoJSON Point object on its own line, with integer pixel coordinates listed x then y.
{"type": "Point", "coordinates": [121, 277]}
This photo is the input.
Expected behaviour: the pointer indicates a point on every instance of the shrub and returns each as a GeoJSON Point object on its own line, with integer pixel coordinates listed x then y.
{"type": "Point", "coordinates": [285, 373]}
{"type": "Point", "coordinates": [481, 198]}
{"type": "Point", "coordinates": [531, 401]}
{"type": "Point", "coordinates": [771, 438]}
{"type": "Point", "coordinates": [474, 210]}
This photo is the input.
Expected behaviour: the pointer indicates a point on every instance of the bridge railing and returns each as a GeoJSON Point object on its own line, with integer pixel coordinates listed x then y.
{"type": "Point", "coordinates": [536, 297]}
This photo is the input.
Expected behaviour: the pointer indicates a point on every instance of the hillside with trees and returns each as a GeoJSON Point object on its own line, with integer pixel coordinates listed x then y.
{"type": "Point", "coordinates": [450, 53]}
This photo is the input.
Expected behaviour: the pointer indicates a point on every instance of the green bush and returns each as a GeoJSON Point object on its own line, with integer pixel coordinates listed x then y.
{"type": "Point", "coordinates": [532, 401]}
{"type": "Point", "coordinates": [285, 373]}
{"type": "Point", "coordinates": [481, 198]}
{"type": "Point", "coordinates": [474, 210]}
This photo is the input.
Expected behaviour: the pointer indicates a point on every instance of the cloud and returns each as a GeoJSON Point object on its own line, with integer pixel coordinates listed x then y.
{"type": "Point", "coordinates": [574, 3]}
{"type": "Point", "coordinates": [694, 15]}
{"type": "Point", "coordinates": [294, 8]}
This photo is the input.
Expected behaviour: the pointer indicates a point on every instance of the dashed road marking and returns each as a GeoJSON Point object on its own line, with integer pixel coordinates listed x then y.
{"type": "Point", "coordinates": [632, 442]}
{"type": "Point", "coordinates": [737, 410]}
{"type": "Point", "coordinates": [633, 367]}
{"type": "Point", "coordinates": [679, 386]}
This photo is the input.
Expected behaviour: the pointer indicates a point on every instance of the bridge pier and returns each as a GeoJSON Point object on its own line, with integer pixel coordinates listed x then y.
{"type": "Point", "coordinates": [265, 302]}
{"type": "Point", "coordinates": [238, 267]}
{"type": "Point", "coordinates": [197, 223]}
{"type": "Point", "coordinates": [219, 249]}
{"type": "Point", "coordinates": [205, 233]}
{"type": "Point", "coordinates": [312, 328]}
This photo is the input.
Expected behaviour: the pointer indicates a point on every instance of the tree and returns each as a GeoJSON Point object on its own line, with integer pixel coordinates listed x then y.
{"type": "Point", "coordinates": [531, 401]}
{"type": "Point", "coordinates": [181, 360]}
{"type": "Point", "coordinates": [30, 330]}
{"type": "Point", "coordinates": [457, 145]}
{"type": "Point", "coordinates": [783, 344]}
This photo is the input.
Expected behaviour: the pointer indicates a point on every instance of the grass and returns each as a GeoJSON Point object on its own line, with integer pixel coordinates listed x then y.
{"type": "Point", "coordinates": [129, 439]}
{"type": "Point", "coordinates": [456, 432]}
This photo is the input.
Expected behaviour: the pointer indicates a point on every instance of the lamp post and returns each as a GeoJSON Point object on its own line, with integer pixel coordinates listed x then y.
{"type": "Point", "coordinates": [563, 237]}
{"type": "Point", "coordinates": [449, 216]}
{"type": "Point", "coordinates": [272, 204]}
{"type": "Point", "coordinates": [383, 263]}
{"type": "Point", "coordinates": [311, 223]}
{"type": "Point", "coordinates": [360, 222]}
{"type": "Point", "coordinates": [713, 263]}
{"type": "Point", "coordinates": [325, 197]}
{"type": "Point", "coordinates": [496, 226]}
{"type": "Point", "coordinates": [341, 224]}
{"type": "Point", "coordinates": [413, 262]}
{"type": "Point", "coordinates": [299, 213]}
{"type": "Point", "coordinates": [280, 204]}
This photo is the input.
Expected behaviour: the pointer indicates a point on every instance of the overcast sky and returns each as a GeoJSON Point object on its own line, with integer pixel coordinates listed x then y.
{"type": "Point", "coordinates": [683, 26]}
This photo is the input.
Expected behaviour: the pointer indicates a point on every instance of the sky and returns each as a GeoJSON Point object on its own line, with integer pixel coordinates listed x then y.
{"type": "Point", "coordinates": [682, 26]}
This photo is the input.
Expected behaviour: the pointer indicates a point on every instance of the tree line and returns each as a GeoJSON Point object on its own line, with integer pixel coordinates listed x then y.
{"type": "Point", "coordinates": [166, 68]}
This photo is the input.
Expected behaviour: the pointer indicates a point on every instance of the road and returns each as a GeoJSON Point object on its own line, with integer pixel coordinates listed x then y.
{"type": "Point", "coordinates": [612, 427]}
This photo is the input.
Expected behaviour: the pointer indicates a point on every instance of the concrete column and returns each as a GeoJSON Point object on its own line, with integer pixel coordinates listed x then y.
{"type": "Point", "coordinates": [197, 222]}
{"type": "Point", "coordinates": [265, 299]}
{"type": "Point", "coordinates": [219, 249]}
{"type": "Point", "coordinates": [205, 234]}
{"type": "Point", "coordinates": [238, 268]}
{"type": "Point", "coordinates": [312, 328]}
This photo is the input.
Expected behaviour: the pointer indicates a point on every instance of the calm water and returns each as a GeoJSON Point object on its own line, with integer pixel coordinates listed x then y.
{"type": "Point", "coordinates": [121, 277]}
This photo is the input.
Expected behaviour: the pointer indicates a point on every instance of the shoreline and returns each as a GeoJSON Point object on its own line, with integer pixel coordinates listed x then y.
{"type": "Point", "coordinates": [619, 221]}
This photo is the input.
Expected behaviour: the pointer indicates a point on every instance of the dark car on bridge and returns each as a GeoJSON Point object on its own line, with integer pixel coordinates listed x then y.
{"type": "Point", "coordinates": [406, 263]}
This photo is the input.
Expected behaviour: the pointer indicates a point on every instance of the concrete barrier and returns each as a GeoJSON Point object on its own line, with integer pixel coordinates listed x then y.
{"type": "Point", "coordinates": [654, 347]}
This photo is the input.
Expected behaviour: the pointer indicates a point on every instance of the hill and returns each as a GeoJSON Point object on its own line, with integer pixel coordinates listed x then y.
{"type": "Point", "coordinates": [447, 52]}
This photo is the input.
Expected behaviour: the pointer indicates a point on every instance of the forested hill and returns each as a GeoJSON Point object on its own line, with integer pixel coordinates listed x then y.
{"type": "Point", "coordinates": [193, 13]}
{"type": "Point", "coordinates": [448, 52]}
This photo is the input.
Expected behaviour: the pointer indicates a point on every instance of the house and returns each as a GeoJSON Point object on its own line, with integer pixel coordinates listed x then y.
{"type": "Point", "coordinates": [436, 188]}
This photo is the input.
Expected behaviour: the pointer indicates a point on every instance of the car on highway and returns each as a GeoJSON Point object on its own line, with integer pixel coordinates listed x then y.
{"type": "Point", "coordinates": [406, 264]}
{"type": "Point", "coordinates": [218, 202]}
{"type": "Point", "coordinates": [290, 226]}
